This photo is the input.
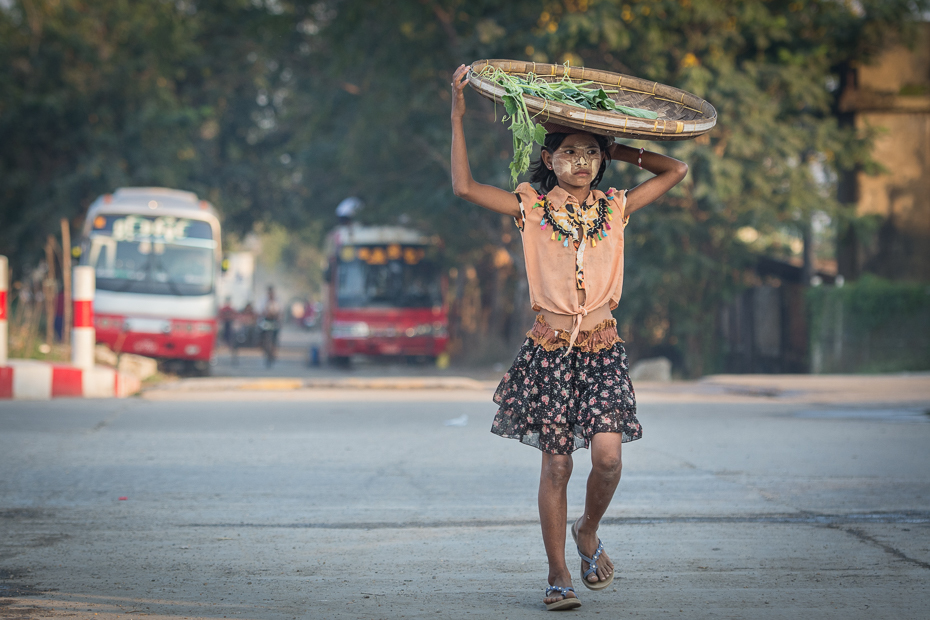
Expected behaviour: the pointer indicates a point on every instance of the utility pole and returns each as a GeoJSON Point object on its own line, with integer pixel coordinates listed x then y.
{"type": "Point", "coordinates": [66, 279]}
{"type": "Point", "coordinates": [50, 290]}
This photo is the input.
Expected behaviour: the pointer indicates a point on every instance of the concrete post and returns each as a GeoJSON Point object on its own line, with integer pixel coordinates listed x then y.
{"type": "Point", "coordinates": [83, 336]}
{"type": "Point", "coordinates": [4, 286]}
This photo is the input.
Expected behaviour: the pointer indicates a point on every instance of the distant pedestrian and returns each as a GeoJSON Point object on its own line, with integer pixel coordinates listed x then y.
{"type": "Point", "coordinates": [226, 316]}
{"type": "Point", "coordinates": [270, 325]}
{"type": "Point", "coordinates": [569, 386]}
{"type": "Point", "coordinates": [271, 312]}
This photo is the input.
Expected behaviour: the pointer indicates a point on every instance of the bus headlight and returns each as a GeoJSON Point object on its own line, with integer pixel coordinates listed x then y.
{"type": "Point", "coordinates": [350, 329]}
{"type": "Point", "coordinates": [437, 330]}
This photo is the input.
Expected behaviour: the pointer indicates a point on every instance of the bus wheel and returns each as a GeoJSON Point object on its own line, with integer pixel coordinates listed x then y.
{"type": "Point", "coordinates": [197, 368]}
{"type": "Point", "coordinates": [341, 361]}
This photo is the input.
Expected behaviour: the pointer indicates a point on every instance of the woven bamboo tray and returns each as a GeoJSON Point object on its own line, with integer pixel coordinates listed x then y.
{"type": "Point", "coordinates": [682, 116]}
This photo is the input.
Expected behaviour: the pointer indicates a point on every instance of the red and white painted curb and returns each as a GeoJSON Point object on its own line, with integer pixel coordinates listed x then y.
{"type": "Point", "coordinates": [4, 285]}
{"type": "Point", "coordinates": [35, 380]}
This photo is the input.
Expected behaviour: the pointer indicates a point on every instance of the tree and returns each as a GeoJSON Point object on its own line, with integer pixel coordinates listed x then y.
{"type": "Point", "coordinates": [98, 95]}
{"type": "Point", "coordinates": [770, 67]}
{"type": "Point", "coordinates": [277, 109]}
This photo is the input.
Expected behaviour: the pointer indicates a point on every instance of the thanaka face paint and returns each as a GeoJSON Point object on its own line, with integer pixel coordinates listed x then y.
{"type": "Point", "coordinates": [577, 160]}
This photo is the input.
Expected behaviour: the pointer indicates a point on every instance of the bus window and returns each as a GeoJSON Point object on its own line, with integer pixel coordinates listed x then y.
{"type": "Point", "coordinates": [369, 283]}
{"type": "Point", "coordinates": [183, 268]}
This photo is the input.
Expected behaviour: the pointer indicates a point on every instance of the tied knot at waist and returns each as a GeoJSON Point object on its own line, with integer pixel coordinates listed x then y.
{"type": "Point", "coordinates": [576, 326]}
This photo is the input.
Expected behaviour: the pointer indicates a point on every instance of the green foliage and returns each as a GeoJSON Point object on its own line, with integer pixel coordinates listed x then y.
{"type": "Point", "coordinates": [873, 302]}
{"type": "Point", "coordinates": [871, 325]}
{"type": "Point", "coordinates": [98, 95]}
{"type": "Point", "coordinates": [765, 66]}
{"type": "Point", "coordinates": [276, 110]}
{"type": "Point", "coordinates": [526, 132]}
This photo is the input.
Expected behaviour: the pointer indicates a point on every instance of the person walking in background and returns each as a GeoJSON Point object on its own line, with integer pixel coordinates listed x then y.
{"type": "Point", "coordinates": [270, 325]}
{"type": "Point", "coordinates": [226, 316]}
{"type": "Point", "coordinates": [569, 386]}
{"type": "Point", "coordinates": [271, 311]}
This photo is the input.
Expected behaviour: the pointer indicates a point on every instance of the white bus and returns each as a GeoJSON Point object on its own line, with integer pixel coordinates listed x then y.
{"type": "Point", "coordinates": [157, 257]}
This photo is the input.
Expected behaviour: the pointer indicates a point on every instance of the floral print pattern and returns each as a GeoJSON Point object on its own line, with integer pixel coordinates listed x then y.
{"type": "Point", "coordinates": [557, 402]}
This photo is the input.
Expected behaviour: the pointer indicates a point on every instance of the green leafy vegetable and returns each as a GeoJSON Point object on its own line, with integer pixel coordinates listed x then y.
{"type": "Point", "coordinates": [526, 132]}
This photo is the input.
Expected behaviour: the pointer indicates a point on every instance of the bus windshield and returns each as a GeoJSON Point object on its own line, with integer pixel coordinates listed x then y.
{"type": "Point", "coordinates": [364, 281]}
{"type": "Point", "coordinates": [162, 261]}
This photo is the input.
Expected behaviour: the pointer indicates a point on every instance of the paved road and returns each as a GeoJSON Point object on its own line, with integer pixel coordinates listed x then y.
{"type": "Point", "coordinates": [321, 504]}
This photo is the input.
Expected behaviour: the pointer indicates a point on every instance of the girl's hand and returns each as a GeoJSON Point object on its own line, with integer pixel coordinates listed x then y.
{"type": "Point", "coordinates": [463, 184]}
{"type": "Point", "coordinates": [459, 80]}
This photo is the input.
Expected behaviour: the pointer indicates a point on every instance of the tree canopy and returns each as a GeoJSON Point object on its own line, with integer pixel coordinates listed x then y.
{"type": "Point", "coordinates": [277, 109]}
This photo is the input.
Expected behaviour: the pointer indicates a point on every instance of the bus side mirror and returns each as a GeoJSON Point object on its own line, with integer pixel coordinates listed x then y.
{"type": "Point", "coordinates": [224, 265]}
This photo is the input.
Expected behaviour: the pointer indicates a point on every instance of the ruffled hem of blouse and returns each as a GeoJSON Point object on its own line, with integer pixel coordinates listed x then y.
{"type": "Point", "coordinates": [603, 336]}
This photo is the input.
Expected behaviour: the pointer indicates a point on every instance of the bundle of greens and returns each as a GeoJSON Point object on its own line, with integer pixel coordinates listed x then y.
{"type": "Point", "coordinates": [525, 130]}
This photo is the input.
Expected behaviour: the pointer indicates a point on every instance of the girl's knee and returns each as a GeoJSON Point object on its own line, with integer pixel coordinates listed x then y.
{"type": "Point", "coordinates": [608, 464]}
{"type": "Point", "coordinates": [557, 468]}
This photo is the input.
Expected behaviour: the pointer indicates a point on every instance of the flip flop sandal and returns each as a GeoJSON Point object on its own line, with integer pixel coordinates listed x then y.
{"type": "Point", "coordinates": [566, 603]}
{"type": "Point", "coordinates": [592, 565]}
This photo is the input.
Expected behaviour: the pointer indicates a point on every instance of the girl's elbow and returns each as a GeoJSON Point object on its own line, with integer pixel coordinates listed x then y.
{"type": "Point", "coordinates": [681, 170]}
{"type": "Point", "coordinates": [463, 188]}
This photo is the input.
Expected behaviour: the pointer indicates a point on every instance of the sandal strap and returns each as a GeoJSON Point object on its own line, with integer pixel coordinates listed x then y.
{"type": "Point", "coordinates": [560, 590]}
{"type": "Point", "coordinates": [592, 562]}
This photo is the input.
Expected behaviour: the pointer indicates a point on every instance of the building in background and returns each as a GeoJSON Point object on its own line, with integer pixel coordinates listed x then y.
{"type": "Point", "coordinates": [893, 95]}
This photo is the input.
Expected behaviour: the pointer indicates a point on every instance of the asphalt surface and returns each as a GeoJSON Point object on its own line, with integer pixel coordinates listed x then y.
{"type": "Point", "coordinates": [334, 503]}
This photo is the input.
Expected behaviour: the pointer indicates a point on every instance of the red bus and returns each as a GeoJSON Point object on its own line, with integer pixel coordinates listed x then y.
{"type": "Point", "coordinates": [385, 294]}
{"type": "Point", "coordinates": [157, 256]}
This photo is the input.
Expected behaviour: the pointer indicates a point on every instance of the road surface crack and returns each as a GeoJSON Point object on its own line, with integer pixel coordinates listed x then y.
{"type": "Point", "coordinates": [866, 538]}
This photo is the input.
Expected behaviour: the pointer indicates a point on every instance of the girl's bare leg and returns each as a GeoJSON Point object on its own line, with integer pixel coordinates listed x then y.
{"type": "Point", "coordinates": [553, 507]}
{"type": "Point", "coordinates": [606, 464]}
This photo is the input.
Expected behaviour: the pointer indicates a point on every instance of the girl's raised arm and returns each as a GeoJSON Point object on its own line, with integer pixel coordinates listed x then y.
{"type": "Point", "coordinates": [463, 184]}
{"type": "Point", "coordinates": [669, 172]}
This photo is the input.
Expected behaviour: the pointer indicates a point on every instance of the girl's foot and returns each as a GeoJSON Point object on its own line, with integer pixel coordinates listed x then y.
{"type": "Point", "coordinates": [560, 581]}
{"type": "Point", "coordinates": [587, 543]}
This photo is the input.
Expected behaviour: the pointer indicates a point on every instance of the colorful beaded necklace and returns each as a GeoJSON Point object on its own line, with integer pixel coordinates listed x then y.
{"type": "Point", "coordinates": [577, 221]}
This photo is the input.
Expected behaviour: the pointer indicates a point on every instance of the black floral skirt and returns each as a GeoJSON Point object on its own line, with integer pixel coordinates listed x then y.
{"type": "Point", "coordinates": [557, 402]}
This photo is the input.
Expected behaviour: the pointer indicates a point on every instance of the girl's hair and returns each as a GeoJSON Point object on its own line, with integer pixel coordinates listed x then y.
{"type": "Point", "coordinates": [546, 178]}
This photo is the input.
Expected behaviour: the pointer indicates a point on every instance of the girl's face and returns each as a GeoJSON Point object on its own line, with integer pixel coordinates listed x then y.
{"type": "Point", "coordinates": [577, 160]}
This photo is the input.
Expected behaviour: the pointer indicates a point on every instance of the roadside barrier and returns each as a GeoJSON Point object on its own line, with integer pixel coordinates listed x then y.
{"type": "Point", "coordinates": [4, 286]}
{"type": "Point", "coordinates": [28, 379]}
{"type": "Point", "coordinates": [83, 335]}
{"type": "Point", "coordinates": [38, 380]}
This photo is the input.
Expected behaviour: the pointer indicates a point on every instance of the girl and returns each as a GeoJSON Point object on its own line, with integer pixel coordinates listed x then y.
{"type": "Point", "coordinates": [569, 387]}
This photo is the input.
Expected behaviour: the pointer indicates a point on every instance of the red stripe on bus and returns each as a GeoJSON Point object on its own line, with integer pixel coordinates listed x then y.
{"type": "Point", "coordinates": [67, 381]}
{"type": "Point", "coordinates": [83, 313]}
{"type": "Point", "coordinates": [2, 305]}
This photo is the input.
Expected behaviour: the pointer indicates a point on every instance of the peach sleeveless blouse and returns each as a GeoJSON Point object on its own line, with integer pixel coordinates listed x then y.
{"type": "Point", "coordinates": [569, 247]}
